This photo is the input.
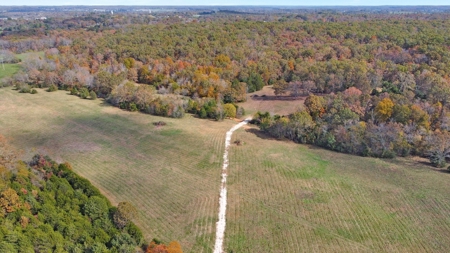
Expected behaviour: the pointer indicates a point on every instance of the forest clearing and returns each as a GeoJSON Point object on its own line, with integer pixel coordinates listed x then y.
{"type": "Point", "coordinates": [282, 196]}
{"type": "Point", "coordinates": [347, 146]}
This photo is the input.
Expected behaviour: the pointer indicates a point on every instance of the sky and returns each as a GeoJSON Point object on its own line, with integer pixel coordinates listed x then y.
{"type": "Point", "coordinates": [227, 2]}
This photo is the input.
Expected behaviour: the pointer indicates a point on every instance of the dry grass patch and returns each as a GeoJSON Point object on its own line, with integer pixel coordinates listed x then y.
{"type": "Point", "coordinates": [266, 101]}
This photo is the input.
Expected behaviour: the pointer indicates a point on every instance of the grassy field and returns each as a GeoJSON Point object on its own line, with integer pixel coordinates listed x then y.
{"type": "Point", "coordinates": [171, 173]}
{"type": "Point", "coordinates": [8, 69]}
{"type": "Point", "coordinates": [265, 100]}
{"type": "Point", "coordinates": [295, 198]}
{"type": "Point", "coordinates": [28, 55]}
{"type": "Point", "coordinates": [283, 197]}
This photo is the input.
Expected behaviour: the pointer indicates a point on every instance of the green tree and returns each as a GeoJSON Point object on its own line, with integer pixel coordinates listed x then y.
{"type": "Point", "coordinates": [230, 110]}
{"type": "Point", "coordinates": [401, 113]}
{"type": "Point", "coordinates": [96, 207]}
{"type": "Point", "coordinates": [254, 82]}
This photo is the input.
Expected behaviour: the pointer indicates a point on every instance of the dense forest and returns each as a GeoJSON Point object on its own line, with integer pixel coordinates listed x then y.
{"type": "Point", "coordinates": [377, 85]}
{"type": "Point", "coordinates": [46, 207]}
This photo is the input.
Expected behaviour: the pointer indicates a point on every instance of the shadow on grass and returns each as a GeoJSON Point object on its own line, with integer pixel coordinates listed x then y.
{"type": "Point", "coordinates": [419, 164]}
{"type": "Point", "coordinates": [104, 103]}
{"type": "Point", "coordinates": [276, 98]}
{"type": "Point", "coordinates": [428, 164]}
{"type": "Point", "coordinates": [314, 147]}
{"type": "Point", "coordinates": [425, 163]}
{"type": "Point", "coordinates": [260, 134]}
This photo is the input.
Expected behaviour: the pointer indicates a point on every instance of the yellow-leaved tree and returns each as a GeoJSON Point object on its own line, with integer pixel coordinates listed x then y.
{"type": "Point", "coordinates": [384, 109]}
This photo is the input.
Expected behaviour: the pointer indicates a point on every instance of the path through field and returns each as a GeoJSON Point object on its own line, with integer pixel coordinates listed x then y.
{"type": "Point", "coordinates": [280, 196]}
{"type": "Point", "coordinates": [221, 223]}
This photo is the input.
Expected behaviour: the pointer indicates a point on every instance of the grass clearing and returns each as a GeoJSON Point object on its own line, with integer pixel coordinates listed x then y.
{"type": "Point", "coordinates": [8, 69]}
{"type": "Point", "coordinates": [265, 100]}
{"type": "Point", "coordinates": [282, 197]}
{"type": "Point", "coordinates": [25, 56]}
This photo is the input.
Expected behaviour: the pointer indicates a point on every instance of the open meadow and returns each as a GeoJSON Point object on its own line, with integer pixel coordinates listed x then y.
{"type": "Point", "coordinates": [286, 197]}
{"type": "Point", "coordinates": [282, 196]}
{"type": "Point", "coordinates": [265, 100]}
{"type": "Point", "coordinates": [8, 69]}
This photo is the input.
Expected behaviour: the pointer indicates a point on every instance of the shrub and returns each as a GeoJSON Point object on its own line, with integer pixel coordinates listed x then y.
{"type": "Point", "coordinates": [52, 88]}
{"type": "Point", "coordinates": [123, 105]}
{"type": "Point", "coordinates": [437, 159]}
{"type": "Point", "coordinates": [84, 93]}
{"type": "Point", "coordinates": [93, 95]}
{"type": "Point", "coordinates": [74, 91]}
{"type": "Point", "coordinates": [6, 82]}
{"type": "Point", "coordinates": [24, 88]}
{"type": "Point", "coordinates": [159, 123]}
{"type": "Point", "coordinates": [202, 113]}
{"type": "Point", "coordinates": [33, 91]}
{"type": "Point", "coordinates": [133, 107]}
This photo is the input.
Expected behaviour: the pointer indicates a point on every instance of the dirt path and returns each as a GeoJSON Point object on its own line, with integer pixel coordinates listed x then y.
{"type": "Point", "coordinates": [220, 225]}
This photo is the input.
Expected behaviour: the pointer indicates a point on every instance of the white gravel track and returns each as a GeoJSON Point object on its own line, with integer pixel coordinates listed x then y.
{"type": "Point", "coordinates": [221, 223]}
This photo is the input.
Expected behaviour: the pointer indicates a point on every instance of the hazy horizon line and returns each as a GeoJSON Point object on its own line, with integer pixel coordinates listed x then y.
{"type": "Point", "coordinates": [224, 5]}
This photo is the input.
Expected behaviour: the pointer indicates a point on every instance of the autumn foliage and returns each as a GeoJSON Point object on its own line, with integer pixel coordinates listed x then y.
{"type": "Point", "coordinates": [375, 84]}
{"type": "Point", "coordinates": [158, 247]}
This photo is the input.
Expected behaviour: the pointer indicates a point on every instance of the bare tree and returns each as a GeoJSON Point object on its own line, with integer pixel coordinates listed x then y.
{"type": "Point", "coordinates": [438, 148]}
{"type": "Point", "coordinates": [7, 56]}
{"type": "Point", "coordinates": [69, 77]}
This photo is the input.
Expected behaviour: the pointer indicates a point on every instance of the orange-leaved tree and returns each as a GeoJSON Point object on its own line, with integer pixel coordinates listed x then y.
{"type": "Point", "coordinates": [157, 247]}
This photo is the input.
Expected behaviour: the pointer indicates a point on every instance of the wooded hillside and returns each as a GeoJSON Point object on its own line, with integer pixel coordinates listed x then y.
{"type": "Point", "coordinates": [387, 74]}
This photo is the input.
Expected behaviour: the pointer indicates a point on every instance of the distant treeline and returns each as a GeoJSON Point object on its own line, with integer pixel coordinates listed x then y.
{"type": "Point", "coordinates": [222, 59]}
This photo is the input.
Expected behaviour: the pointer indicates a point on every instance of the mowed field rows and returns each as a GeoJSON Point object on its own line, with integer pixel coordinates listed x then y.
{"type": "Point", "coordinates": [282, 196]}
{"type": "Point", "coordinates": [285, 197]}
{"type": "Point", "coordinates": [171, 173]}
